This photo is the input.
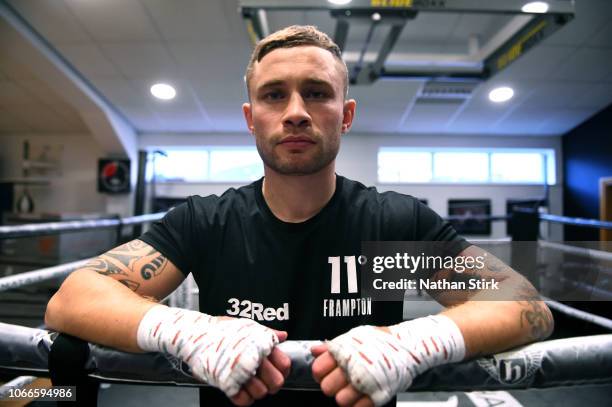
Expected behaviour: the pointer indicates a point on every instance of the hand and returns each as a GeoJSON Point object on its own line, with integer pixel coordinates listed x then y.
{"type": "Point", "coordinates": [270, 377]}
{"type": "Point", "coordinates": [234, 355]}
{"type": "Point", "coordinates": [333, 380]}
{"type": "Point", "coordinates": [379, 362]}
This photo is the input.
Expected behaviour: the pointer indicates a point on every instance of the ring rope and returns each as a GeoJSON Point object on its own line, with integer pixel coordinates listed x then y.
{"type": "Point", "coordinates": [561, 362]}
{"type": "Point", "coordinates": [71, 226]}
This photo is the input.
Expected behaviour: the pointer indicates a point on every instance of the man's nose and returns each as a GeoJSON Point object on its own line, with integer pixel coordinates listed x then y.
{"type": "Point", "coordinates": [296, 114]}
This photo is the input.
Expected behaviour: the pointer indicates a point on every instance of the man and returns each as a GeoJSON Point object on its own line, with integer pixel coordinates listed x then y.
{"type": "Point", "coordinates": [268, 257]}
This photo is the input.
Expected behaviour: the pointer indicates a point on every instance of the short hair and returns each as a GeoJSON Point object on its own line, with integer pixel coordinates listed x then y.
{"type": "Point", "coordinates": [295, 36]}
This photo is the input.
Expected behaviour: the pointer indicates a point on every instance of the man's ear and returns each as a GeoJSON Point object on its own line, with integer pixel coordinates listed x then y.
{"type": "Point", "coordinates": [248, 116]}
{"type": "Point", "coordinates": [348, 114]}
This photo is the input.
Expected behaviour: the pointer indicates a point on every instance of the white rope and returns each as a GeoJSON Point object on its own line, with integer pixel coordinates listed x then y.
{"type": "Point", "coordinates": [31, 277]}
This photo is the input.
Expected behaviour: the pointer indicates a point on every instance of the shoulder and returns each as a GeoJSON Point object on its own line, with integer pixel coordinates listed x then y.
{"type": "Point", "coordinates": [357, 194]}
{"type": "Point", "coordinates": [211, 208]}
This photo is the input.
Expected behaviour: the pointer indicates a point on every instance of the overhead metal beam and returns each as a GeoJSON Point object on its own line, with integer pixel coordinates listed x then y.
{"type": "Point", "coordinates": [460, 6]}
{"type": "Point", "coordinates": [512, 41]}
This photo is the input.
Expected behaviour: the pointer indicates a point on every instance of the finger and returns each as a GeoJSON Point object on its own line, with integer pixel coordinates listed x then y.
{"type": "Point", "coordinates": [347, 396]}
{"type": "Point", "coordinates": [282, 335]}
{"type": "Point", "coordinates": [333, 382]}
{"type": "Point", "coordinates": [322, 366]}
{"type": "Point", "coordinates": [318, 349]}
{"type": "Point", "coordinates": [256, 388]}
{"type": "Point", "coordinates": [384, 329]}
{"type": "Point", "coordinates": [365, 401]}
{"type": "Point", "coordinates": [271, 377]}
{"type": "Point", "coordinates": [242, 398]}
{"type": "Point", "coordinates": [280, 361]}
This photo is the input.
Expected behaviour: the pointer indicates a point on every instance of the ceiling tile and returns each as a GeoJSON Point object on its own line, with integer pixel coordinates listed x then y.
{"type": "Point", "coordinates": [596, 97]}
{"type": "Point", "coordinates": [586, 64]}
{"type": "Point", "coordinates": [430, 116]}
{"type": "Point", "coordinates": [546, 95]}
{"type": "Point", "coordinates": [87, 59]}
{"type": "Point", "coordinates": [560, 121]}
{"type": "Point", "coordinates": [381, 106]}
{"type": "Point", "coordinates": [141, 60]}
{"type": "Point", "coordinates": [603, 37]}
{"type": "Point", "coordinates": [114, 20]}
{"type": "Point", "coordinates": [53, 20]}
{"type": "Point", "coordinates": [192, 20]}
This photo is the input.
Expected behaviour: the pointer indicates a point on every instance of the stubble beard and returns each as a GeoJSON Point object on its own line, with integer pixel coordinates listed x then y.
{"type": "Point", "coordinates": [297, 163]}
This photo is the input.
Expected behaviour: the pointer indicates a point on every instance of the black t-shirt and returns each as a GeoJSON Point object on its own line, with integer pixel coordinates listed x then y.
{"type": "Point", "coordinates": [249, 263]}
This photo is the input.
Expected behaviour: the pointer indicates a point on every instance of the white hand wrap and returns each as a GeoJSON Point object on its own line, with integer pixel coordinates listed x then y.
{"type": "Point", "coordinates": [380, 365]}
{"type": "Point", "coordinates": [224, 353]}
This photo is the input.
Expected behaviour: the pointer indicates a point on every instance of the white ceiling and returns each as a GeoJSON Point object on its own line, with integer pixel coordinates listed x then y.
{"type": "Point", "coordinates": [121, 47]}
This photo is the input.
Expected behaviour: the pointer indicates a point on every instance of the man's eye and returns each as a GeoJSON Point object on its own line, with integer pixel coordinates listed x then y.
{"type": "Point", "coordinates": [315, 94]}
{"type": "Point", "coordinates": [273, 96]}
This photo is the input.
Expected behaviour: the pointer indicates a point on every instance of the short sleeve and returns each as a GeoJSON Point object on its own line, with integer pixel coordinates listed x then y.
{"type": "Point", "coordinates": [432, 228]}
{"type": "Point", "coordinates": [175, 235]}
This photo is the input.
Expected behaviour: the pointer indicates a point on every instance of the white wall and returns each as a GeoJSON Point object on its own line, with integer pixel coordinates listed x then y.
{"type": "Point", "coordinates": [73, 187]}
{"type": "Point", "coordinates": [357, 160]}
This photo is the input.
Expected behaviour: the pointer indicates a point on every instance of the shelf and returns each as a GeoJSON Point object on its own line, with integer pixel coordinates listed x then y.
{"type": "Point", "coordinates": [26, 181]}
{"type": "Point", "coordinates": [39, 165]}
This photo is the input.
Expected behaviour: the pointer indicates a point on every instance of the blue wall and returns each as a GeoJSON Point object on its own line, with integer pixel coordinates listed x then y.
{"type": "Point", "coordinates": [587, 157]}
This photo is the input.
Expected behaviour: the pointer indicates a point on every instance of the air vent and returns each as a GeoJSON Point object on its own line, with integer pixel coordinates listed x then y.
{"type": "Point", "coordinates": [447, 90]}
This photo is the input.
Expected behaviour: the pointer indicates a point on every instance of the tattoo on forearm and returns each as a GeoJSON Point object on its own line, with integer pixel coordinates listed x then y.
{"type": "Point", "coordinates": [535, 314]}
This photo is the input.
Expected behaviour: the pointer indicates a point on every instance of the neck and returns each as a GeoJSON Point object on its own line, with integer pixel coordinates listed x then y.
{"type": "Point", "coordinates": [297, 198]}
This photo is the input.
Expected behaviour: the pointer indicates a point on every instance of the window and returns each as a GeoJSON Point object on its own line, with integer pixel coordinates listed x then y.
{"type": "Point", "coordinates": [180, 165]}
{"type": "Point", "coordinates": [460, 167]}
{"type": "Point", "coordinates": [235, 164]}
{"type": "Point", "coordinates": [208, 164]}
{"type": "Point", "coordinates": [495, 165]}
{"type": "Point", "coordinates": [404, 166]}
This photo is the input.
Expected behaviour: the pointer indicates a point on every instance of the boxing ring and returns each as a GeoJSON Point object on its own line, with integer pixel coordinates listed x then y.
{"type": "Point", "coordinates": [34, 352]}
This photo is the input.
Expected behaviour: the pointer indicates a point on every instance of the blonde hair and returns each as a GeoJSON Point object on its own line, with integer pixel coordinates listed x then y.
{"type": "Point", "coordinates": [295, 36]}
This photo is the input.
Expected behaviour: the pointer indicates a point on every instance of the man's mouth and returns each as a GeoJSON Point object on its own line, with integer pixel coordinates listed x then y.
{"type": "Point", "coordinates": [297, 142]}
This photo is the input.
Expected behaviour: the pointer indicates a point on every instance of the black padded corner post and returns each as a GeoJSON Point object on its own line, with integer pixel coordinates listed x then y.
{"type": "Point", "coordinates": [525, 228]}
{"type": "Point", "coordinates": [67, 360]}
{"type": "Point", "coordinates": [525, 225]}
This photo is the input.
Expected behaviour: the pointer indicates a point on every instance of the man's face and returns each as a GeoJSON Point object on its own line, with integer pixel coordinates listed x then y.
{"type": "Point", "coordinates": [297, 111]}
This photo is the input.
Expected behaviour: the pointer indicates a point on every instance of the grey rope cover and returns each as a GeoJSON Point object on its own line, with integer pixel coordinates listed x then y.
{"type": "Point", "coordinates": [573, 361]}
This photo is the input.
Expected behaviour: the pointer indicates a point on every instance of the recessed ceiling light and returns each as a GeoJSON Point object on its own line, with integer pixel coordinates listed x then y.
{"type": "Point", "coordinates": [501, 94]}
{"type": "Point", "coordinates": [339, 2]}
{"type": "Point", "coordinates": [163, 91]}
{"type": "Point", "coordinates": [535, 7]}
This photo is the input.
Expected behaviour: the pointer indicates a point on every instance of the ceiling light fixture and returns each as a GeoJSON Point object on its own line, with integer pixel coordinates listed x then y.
{"type": "Point", "coordinates": [163, 91]}
{"type": "Point", "coordinates": [535, 7]}
{"type": "Point", "coordinates": [339, 2]}
{"type": "Point", "coordinates": [501, 94]}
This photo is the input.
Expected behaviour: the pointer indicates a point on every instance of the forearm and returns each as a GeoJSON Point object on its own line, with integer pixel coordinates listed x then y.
{"type": "Point", "coordinates": [494, 326]}
{"type": "Point", "coordinates": [98, 309]}
{"type": "Point", "coordinates": [493, 320]}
